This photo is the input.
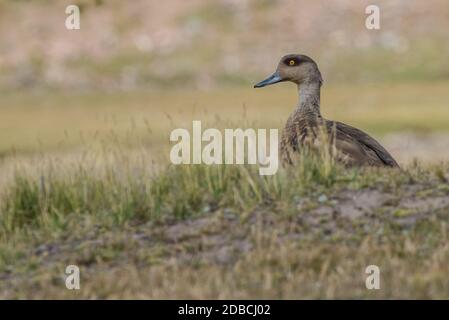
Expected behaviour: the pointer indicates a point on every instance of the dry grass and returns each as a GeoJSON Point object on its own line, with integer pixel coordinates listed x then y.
{"type": "Point", "coordinates": [84, 177]}
{"type": "Point", "coordinates": [100, 195]}
{"type": "Point", "coordinates": [223, 232]}
{"type": "Point", "coordinates": [226, 232]}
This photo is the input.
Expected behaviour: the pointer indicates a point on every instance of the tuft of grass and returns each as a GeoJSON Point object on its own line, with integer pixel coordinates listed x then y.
{"type": "Point", "coordinates": [46, 199]}
{"type": "Point", "coordinates": [118, 192]}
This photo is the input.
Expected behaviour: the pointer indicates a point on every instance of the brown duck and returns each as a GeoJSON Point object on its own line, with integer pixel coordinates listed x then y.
{"type": "Point", "coordinates": [353, 146]}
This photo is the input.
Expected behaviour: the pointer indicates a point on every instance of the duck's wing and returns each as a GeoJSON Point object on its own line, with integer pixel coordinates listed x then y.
{"type": "Point", "coordinates": [359, 146]}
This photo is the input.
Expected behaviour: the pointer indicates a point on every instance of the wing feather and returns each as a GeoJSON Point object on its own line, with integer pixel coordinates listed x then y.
{"type": "Point", "coordinates": [351, 133]}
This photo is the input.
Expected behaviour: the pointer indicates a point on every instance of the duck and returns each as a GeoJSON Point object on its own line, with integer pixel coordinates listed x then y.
{"type": "Point", "coordinates": [353, 146]}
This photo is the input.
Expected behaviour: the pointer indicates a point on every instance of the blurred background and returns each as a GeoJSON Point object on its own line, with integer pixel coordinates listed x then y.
{"type": "Point", "coordinates": [138, 69]}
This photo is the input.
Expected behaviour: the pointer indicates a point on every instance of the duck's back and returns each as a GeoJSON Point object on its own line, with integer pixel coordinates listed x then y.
{"type": "Point", "coordinates": [354, 147]}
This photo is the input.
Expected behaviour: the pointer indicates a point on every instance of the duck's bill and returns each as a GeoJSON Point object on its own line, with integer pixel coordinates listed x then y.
{"type": "Point", "coordinates": [274, 78]}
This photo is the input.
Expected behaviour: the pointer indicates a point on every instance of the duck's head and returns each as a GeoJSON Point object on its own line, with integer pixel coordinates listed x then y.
{"type": "Point", "coordinates": [296, 68]}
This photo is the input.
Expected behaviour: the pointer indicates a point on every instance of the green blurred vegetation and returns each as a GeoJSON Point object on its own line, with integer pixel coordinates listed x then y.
{"type": "Point", "coordinates": [142, 45]}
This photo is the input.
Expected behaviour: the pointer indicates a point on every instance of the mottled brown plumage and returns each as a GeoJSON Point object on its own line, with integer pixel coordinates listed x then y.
{"type": "Point", "coordinates": [306, 126]}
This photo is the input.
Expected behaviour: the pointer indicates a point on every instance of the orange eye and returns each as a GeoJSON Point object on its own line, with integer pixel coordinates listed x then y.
{"type": "Point", "coordinates": [291, 62]}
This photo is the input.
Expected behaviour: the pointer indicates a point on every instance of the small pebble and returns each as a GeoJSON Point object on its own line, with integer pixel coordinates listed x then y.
{"type": "Point", "coordinates": [322, 198]}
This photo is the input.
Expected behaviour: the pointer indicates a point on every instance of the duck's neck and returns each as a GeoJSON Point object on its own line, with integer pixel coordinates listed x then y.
{"type": "Point", "coordinates": [309, 100]}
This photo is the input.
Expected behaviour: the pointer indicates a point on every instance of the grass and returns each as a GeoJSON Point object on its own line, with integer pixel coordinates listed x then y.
{"type": "Point", "coordinates": [84, 177]}
{"type": "Point", "coordinates": [126, 193]}
{"type": "Point", "coordinates": [85, 180]}
{"type": "Point", "coordinates": [223, 231]}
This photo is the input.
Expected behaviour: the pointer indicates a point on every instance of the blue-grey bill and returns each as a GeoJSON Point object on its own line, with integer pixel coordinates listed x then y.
{"type": "Point", "coordinates": [274, 78]}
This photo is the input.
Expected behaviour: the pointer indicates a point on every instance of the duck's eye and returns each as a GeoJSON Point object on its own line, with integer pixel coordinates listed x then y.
{"type": "Point", "coordinates": [291, 62]}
